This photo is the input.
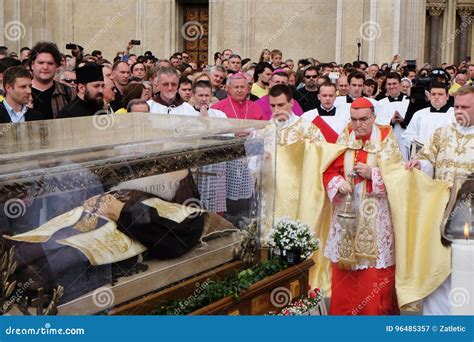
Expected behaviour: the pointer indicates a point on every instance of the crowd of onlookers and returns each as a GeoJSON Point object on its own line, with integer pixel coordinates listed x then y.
{"type": "Point", "coordinates": [132, 79]}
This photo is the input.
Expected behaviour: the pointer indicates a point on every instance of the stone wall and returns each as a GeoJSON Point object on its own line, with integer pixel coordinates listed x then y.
{"type": "Point", "coordinates": [325, 29]}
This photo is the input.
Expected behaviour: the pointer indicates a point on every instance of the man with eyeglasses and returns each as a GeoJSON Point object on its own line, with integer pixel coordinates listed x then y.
{"type": "Point", "coordinates": [90, 93]}
{"type": "Point", "coordinates": [308, 95]}
{"type": "Point", "coordinates": [167, 100]}
{"type": "Point", "coordinates": [185, 57]}
{"type": "Point", "coordinates": [362, 254]}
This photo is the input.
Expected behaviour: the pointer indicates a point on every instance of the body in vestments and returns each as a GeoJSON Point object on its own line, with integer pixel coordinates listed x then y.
{"type": "Point", "coordinates": [363, 263]}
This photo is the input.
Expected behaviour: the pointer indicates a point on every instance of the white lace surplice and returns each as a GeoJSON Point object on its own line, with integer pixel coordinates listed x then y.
{"type": "Point", "coordinates": [385, 238]}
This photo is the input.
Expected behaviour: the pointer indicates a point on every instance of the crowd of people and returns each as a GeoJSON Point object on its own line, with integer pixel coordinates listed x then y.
{"type": "Point", "coordinates": [400, 107]}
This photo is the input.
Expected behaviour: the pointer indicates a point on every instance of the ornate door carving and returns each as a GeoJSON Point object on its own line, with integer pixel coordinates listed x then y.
{"type": "Point", "coordinates": [195, 32]}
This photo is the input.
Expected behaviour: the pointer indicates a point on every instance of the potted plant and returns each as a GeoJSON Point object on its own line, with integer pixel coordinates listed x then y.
{"type": "Point", "coordinates": [294, 240]}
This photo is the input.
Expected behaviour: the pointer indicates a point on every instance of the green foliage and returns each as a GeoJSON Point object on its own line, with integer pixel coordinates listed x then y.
{"type": "Point", "coordinates": [212, 291]}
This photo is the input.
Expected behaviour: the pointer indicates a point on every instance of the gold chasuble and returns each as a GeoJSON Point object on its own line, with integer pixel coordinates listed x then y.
{"type": "Point", "coordinates": [302, 156]}
{"type": "Point", "coordinates": [417, 205]}
{"type": "Point", "coordinates": [423, 263]}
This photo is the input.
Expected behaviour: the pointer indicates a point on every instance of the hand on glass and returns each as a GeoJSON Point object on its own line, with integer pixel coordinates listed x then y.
{"type": "Point", "coordinates": [413, 164]}
{"type": "Point", "coordinates": [363, 170]}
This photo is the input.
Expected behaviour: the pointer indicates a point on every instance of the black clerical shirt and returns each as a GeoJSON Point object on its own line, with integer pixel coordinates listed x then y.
{"type": "Point", "coordinates": [78, 108]}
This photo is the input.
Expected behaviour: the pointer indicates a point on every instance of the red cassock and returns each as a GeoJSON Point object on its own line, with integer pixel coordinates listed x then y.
{"type": "Point", "coordinates": [361, 292]}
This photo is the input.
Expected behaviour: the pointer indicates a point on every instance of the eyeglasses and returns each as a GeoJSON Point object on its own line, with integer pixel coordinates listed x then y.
{"type": "Point", "coordinates": [311, 76]}
{"type": "Point", "coordinates": [438, 72]}
{"type": "Point", "coordinates": [69, 80]}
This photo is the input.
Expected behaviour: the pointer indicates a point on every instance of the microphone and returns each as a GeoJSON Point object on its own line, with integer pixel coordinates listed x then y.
{"type": "Point", "coordinates": [358, 42]}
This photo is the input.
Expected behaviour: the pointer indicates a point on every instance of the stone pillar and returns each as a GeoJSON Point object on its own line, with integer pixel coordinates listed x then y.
{"type": "Point", "coordinates": [465, 12]}
{"type": "Point", "coordinates": [2, 21]}
{"type": "Point", "coordinates": [412, 30]}
{"type": "Point", "coordinates": [435, 10]}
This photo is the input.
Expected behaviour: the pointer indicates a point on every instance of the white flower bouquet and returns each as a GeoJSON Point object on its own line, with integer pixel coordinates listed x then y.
{"type": "Point", "coordinates": [293, 235]}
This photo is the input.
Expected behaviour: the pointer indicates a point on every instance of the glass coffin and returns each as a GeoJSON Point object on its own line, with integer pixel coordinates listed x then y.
{"type": "Point", "coordinates": [106, 209]}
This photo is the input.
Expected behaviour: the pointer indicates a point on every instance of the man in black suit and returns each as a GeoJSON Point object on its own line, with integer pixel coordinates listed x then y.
{"type": "Point", "coordinates": [17, 85]}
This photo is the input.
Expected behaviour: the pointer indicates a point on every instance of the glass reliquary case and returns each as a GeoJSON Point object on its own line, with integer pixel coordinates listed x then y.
{"type": "Point", "coordinates": [97, 211]}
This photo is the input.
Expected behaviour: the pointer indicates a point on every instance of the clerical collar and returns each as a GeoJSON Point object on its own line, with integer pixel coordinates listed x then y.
{"type": "Point", "coordinates": [178, 101]}
{"type": "Point", "coordinates": [443, 109]}
{"type": "Point", "coordinates": [325, 112]}
{"type": "Point", "coordinates": [396, 99]}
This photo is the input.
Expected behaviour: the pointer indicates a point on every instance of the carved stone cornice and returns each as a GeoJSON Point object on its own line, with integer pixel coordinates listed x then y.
{"type": "Point", "coordinates": [435, 9]}
{"type": "Point", "coordinates": [465, 10]}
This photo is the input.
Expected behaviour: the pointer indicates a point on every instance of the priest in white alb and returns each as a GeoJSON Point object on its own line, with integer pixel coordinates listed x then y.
{"type": "Point", "coordinates": [427, 120]}
{"type": "Point", "coordinates": [329, 119]}
{"type": "Point", "coordinates": [391, 110]}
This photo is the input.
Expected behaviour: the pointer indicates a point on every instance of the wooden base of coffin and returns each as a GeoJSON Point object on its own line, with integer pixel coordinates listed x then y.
{"type": "Point", "coordinates": [259, 299]}
{"type": "Point", "coordinates": [160, 273]}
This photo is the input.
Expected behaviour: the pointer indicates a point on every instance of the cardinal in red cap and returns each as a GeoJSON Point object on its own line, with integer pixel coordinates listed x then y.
{"type": "Point", "coordinates": [361, 102]}
{"type": "Point", "coordinates": [362, 251]}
